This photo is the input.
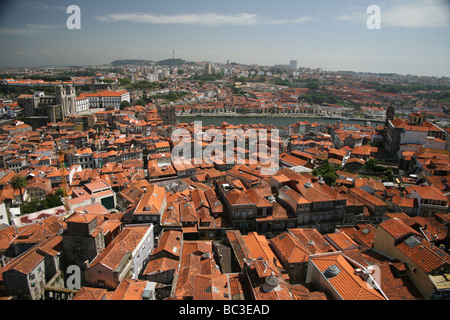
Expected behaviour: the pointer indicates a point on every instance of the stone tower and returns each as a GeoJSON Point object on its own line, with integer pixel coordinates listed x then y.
{"type": "Point", "coordinates": [390, 112]}
{"type": "Point", "coordinates": [66, 99]}
{"type": "Point", "coordinates": [167, 114]}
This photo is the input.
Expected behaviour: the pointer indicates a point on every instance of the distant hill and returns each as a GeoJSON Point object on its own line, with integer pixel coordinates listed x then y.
{"type": "Point", "coordinates": [125, 62]}
{"type": "Point", "coordinates": [171, 62]}
{"type": "Point", "coordinates": [166, 62]}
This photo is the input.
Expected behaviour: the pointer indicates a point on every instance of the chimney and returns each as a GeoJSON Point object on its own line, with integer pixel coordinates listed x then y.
{"type": "Point", "coordinates": [363, 274]}
{"type": "Point", "coordinates": [270, 283]}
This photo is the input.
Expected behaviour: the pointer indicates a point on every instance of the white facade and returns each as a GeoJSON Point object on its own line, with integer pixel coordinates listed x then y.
{"type": "Point", "coordinates": [81, 105]}
{"type": "Point", "coordinates": [3, 214]}
{"type": "Point", "coordinates": [107, 99]}
{"type": "Point", "coordinates": [413, 137]}
{"type": "Point", "coordinates": [141, 253]}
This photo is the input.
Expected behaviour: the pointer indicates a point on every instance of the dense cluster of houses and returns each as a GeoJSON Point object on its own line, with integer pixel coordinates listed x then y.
{"type": "Point", "coordinates": [135, 224]}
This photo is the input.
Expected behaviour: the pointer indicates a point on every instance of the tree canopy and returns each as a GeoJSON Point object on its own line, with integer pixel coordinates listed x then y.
{"type": "Point", "coordinates": [19, 183]}
{"type": "Point", "coordinates": [327, 172]}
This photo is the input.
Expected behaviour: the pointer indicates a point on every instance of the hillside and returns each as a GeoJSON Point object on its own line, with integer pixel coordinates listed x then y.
{"type": "Point", "coordinates": [171, 62]}
{"type": "Point", "coordinates": [125, 62]}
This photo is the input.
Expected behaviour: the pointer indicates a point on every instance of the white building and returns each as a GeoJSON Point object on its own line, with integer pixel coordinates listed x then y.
{"type": "Point", "coordinates": [106, 98]}
{"type": "Point", "coordinates": [3, 214]}
{"type": "Point", "coordinates": [142, 251]}
{"type": "Point", "coordinates": [81, 104]}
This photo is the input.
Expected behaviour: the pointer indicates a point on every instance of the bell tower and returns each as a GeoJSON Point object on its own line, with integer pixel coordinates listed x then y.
{"type": "Point", "coordinates": [66, 99]}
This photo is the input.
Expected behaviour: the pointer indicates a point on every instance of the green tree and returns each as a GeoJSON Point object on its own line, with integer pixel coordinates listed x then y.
{"type": "Point", "coordinates": [330, 178]}
{"type": "Point", "coordinates": [124, 81]}
{"type": "Point", "coordinates": [19, 183]}
{"type": "Point", "coordinates": [327, 172]}
{"type": "Point", "coordinates": [52, 200]}
{"type": "Point", "coordinates": [29, 207]}
{"type": "Point", "coordinates": [371, 165]}
{"type": "Point", "coordinates": [313, 85]}
{"type": "Point", "coordinates": [124, 104]}
{"type": "Point", "coordinates": [389, 176]}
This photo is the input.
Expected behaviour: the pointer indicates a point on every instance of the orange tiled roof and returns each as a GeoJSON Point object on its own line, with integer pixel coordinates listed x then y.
{"type": "Point", "coordinates": [129, 289]}
{"type": "Point", "coordinates": [258, 246]}
{"type": "Point", "coordinates": [152, 200]}
{"type": "Point", "coordinates": [292, 250]}
{"type": "Point", "coordinates": [425, 257]}
{"type": "Point", "coordinates": [427, 192]}
{"type": "Point", "coordinates": [211, 287]}
{"type": "Point", "coordinates": [312, 239]}
{"type": "Point", "coordinates": [196, 260]}
{"type": "Point", "coordinates": [88, 293]}
{"type": "Point", "coordinates": [396, 228]}
{"type": "Point", "coordinates": [348, 285]}
{"type": "Point", "coordinates": [341, 240]}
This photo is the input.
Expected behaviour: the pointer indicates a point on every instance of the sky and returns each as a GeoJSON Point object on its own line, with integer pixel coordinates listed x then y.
{"type": "Point", "coordinates": [413, 37]}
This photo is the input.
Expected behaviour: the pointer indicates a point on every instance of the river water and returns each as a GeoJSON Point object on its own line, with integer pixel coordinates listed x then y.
{"type": "Point", "coordinates": [276, 121]}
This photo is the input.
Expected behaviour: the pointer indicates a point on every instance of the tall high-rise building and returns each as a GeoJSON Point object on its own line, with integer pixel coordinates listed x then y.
{"type": "Point", "coordinates": [293, 64]}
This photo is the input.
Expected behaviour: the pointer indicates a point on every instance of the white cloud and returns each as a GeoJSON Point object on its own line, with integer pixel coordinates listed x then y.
{"type": "Point", "coordinates": [353, 16]}
{"type": "Point", "coordinates": [406, 14]}
{"type": "Point", "coordinates": [303, 19]}
{"type": "Point", "coordinates": [208, 19]}
{"type": "Point", "coordinates": [416, 14]}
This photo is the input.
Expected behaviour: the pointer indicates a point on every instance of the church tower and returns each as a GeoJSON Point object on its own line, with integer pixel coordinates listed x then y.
{"type": "Point", "coordinates": [66, 99]}
{"type": "Point", "coordinates": [390, 112]}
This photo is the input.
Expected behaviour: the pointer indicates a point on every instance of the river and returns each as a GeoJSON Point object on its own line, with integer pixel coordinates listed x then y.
{"type": "Point", "coordinates": [283, 121]}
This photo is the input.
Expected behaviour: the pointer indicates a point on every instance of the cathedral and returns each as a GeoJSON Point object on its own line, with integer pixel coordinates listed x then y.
{"type": "Point", "coordinates": [44, 109]}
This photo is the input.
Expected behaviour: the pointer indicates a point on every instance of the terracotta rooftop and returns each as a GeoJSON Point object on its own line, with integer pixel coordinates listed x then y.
{"type": "Point", "coordinates": [397, 229]}
{"type": "Point", "coordinates": [341, 241]}
{"type": "Point", "coordinates": [88, 293]}
{"type": "Point", "coordinates": [129, 289]}
{"type": "Point", "coordinates": [346, 283]}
